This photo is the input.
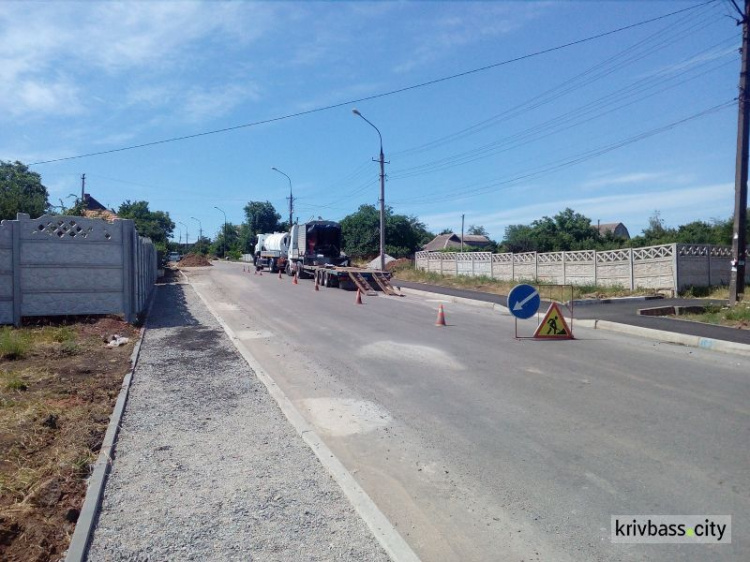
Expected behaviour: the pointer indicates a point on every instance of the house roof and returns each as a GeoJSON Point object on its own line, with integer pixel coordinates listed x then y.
{"type": "Point", "coordinates": [614, 227]}
{"type": "Point", "coordinates": [92, 204]}
{"type": "Point", "coordinates": [454, 240]}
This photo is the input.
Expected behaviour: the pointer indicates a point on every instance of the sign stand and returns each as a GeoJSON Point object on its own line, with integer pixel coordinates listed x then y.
{"type": "Point", "coordinates": [523, 303]}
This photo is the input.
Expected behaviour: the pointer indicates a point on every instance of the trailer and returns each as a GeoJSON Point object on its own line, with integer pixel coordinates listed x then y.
{"type": "Point", "coordinates": [368, 281]}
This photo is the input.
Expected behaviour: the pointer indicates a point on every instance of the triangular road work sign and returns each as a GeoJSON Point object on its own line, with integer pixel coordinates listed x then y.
{"type": "Point", "coordinates": [553, 325]}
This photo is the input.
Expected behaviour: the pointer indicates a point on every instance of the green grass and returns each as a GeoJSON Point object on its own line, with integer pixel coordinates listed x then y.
{"type": "Point", "coordinates": [738, 316]}
{"type": "Point", "coordinates": [14, 344]}
{"type": "Point", "coordinates": [490, 285]}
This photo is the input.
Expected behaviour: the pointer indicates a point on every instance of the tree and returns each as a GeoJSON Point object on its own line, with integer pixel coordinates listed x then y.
{"type": "Point", "coordinates": [202, 246]}
{"type": "Point", "coordinates": [519, 238]}
{"type": "Point", "coordinates": [155, 225]}
{"type": "Point", "coordinates": [21, 191]}
{"type": "Point", "coordinates": [360, 231]}
{"type": "Point", "coordinates": [566, 231]}
{"type": "Point", "coordinates": [476, 230]}
{"type": "Point", "coordinates": [445, 231]}
{"type": "Point", "coordinates": [232, 240]}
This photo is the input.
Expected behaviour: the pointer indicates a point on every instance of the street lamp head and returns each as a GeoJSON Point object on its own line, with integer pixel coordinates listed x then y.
{"type": "Point", "coordinates": [274, 168]}
{"type": "Point", "coordinates": [356, 112]}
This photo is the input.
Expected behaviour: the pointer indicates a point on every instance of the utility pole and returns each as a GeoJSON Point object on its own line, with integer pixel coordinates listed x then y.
{"type": "Point", "coordinates": [462, 233]}
{"type": "Point", "coordinates": [83, 186]}
{"type": "Point", "coordinates": [739, 242]}
{"type": "Point", "coordinates": [381, 159]}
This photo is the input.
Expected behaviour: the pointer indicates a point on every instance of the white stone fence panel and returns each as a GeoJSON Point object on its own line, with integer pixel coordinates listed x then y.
{"type": "Point", "coordinates": [69, 265]}
{"type": "Point", "coordinates": [669, 266]}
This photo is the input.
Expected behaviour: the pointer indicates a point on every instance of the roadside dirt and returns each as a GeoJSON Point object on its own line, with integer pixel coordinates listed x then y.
{"type": "Point", "coordinates": [58, 385]}
{"type": "Point", "coordinates": [194, 260]}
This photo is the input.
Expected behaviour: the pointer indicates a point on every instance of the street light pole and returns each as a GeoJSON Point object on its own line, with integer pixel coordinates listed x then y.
{"type": "Point", "coordinates": [200, 229]}
{"type": "Point", "coordinates": [382, 191]}
{"type": "Point", "coordinates": [291, 197]}
{"type": "Point", "coordinates": [224, 252]}
{"type": "Point", "coordinates": [187, 235]}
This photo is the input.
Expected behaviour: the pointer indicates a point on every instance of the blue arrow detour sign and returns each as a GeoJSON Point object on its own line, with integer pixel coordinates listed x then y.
{"type": "Point", "coordinates": [523, 301]}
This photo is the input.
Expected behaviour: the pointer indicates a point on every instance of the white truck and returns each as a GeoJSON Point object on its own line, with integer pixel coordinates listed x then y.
{"type": "Point", "coordinates": [272, 251]}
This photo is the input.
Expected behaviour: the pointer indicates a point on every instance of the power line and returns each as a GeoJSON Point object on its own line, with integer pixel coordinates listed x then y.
{"type": "Point", "coordinates": [560, 164]}
{"type": "Point", "coordinates": [380, 95]}
{"type": "Point", "coordinates": [662, 38]}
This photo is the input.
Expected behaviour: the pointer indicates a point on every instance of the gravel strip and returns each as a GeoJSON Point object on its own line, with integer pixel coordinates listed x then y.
{"type": "Point", "coordinates": [206, 465]}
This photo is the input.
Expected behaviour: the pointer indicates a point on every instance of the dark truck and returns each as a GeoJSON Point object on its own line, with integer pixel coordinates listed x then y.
{"type": "Point", "coordinates": [315, 253]}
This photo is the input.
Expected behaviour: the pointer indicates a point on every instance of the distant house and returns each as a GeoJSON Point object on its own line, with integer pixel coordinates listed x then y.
{"type": "Point", "coordinates": [93, 209]}
{"type": "Point", "coordinates": [443, 241]}
{"type": "Point", "coordinates": [617, 228]}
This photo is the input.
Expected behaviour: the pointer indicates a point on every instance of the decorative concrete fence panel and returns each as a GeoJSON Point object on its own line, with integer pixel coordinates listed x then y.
{"type": "Point", "coordinates": [550, 268]}
{"type": "Point", "coordinates": [579, 267]}
{"type": "Point", "coordinates": [68, 265]}
{"type": "Point", "coordinates": [669, 266]}
{"type": "Point", "coordinates": [654, 267]}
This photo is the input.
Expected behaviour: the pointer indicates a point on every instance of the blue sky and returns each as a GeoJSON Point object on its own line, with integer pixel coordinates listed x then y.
{"type": "Point", "coordinates": [610, 127]}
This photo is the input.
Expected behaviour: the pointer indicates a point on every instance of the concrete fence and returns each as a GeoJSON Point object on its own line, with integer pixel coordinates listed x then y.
{"type": "Point", "coordinates": [670, 266]}
{"type": "Point", "coordinates": [61, 265]}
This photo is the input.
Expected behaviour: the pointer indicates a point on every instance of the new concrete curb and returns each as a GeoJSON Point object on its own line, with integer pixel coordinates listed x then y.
{"type": "Point", "coordinates": [385, 533]}
{"type": "Point", "coordinates": [450, 298]}
{"type": "Point", "coordinates": [589, 302]}
{"type": "Point", "coordinates": [79, 543]}
{"type": "Point", "coordinates": [710, 344]}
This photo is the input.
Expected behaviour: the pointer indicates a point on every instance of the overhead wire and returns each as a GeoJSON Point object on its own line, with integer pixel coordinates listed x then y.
{"type": "Point", "coordinates": [496, 185]}
{"type": "Point", "coordinates": [381, 94]}
{"type": "Point", "coordinates": [661, 38]}
{"type": "Point", "coordinates": [573, 118]}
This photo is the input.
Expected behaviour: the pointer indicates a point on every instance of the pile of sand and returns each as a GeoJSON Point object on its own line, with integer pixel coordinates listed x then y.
{"type": "Point", "coordinates": [194, 260]}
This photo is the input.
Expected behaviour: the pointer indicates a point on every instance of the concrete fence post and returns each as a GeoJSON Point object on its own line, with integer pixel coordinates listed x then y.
{"type": "Point", "coordinates": [128, 304]}
{"type": "Point", "coordinates": [536, 267]}
{"type": "Point", "coordinates": [563, 267]}
{"type": "Point", "coordinates": [473, 272]}
{"type": "Point", "coordinates": [708, 264]}
{"type": "Point", "coordinates": [492, 266]}
{"type": "Point", "coordinates": [632, 269]}
{"type": "Point", "coordinates": [675, 269]}
{"type": "Point", "coordinates": [17, 296]}
{"type": "Point", "coordinates": [455, 262]}
{"type": "Point", "coordinates": [595, 279]}
{"type": "Point", "coordinates": [512, 266]}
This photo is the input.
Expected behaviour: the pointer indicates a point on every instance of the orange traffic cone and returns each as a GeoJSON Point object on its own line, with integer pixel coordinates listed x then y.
{"type": "Point", "coordinates": [359, 297]}
{"type": "Point", "coordinates": [316, 284]}
{"type": "Point", "coordinates": [441, 317]}
{"type": "Point", "coordinates": [294, 280]}
{"type": "Point", "coordinates": [279, 274]}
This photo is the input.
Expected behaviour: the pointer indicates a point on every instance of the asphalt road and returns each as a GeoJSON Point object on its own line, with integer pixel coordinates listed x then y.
{"type": "Point", "coordinates": [478, 446]}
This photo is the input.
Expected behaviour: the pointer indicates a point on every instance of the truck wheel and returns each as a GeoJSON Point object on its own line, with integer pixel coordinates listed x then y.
{"type": "Point", "coordinates": [272, 266]}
